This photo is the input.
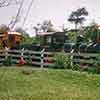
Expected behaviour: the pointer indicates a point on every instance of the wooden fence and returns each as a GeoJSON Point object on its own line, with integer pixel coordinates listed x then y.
{"type": "Point", "coordinates": [42, 58]}
{"type": "Point", "coordinates": [31, 57]}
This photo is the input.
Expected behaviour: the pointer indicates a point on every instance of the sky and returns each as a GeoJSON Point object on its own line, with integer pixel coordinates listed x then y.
{"type": "Point", "coordinates": [56, 10]}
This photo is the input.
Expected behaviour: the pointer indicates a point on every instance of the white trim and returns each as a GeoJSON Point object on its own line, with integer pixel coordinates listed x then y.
{"type": "Point", "coordinates": [16, 33]}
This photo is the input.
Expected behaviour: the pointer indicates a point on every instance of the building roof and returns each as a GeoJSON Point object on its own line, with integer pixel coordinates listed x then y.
{"type": "Point", "coordinates": [50, 33]}
{"type": "Point", "coordinates": [55, 29]}
{"type": "Point", "coordinates": [45, 33]}
{"type": "Point", "coordinates": [2, 35]}
{"type": "Point", "coordinates": [16, 33]}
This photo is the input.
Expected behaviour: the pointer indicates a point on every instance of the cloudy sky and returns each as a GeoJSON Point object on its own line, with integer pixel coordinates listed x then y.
{"type": "Point", "coordinates": [56, 10]}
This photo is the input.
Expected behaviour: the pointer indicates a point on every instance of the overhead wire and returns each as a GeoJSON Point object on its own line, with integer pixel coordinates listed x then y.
{"type": "Point", "coordinates": [17, 15]}
{"type": "Point", "coordinates": [27, 13]}
{"type": "Point", "coordinates": [14, 21]}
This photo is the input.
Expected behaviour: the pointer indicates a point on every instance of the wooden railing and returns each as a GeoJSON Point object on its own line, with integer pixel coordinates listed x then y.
{"type": "Point", "coordinates": [42, 58]}
{"type": "Point", "coordinates": [38, 58]}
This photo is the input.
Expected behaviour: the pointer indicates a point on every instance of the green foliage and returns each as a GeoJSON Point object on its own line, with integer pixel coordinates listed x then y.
{"type": "Point", "coordinates": [97, 64]}
{"type": "Point", "coordinates": [8, 61]}
{"type": "Point", "coordinates": [28, 59]}
{"type": "Point", "coordinates": [93, 70]}
{"type": "Point", "coordinates": [4, 28]}
{"type": "Point", "coordinates": [36, 40]}
{"type": "Point", "coordinates": [78, 16]}
{"type": "Point", "coordinates": [95, 67]}
{"type": "Point", "coordinates": [90, 32]}
{"type": "Point", "coordinates": [72, 36]}
{"type": "Point", "coordinates": [76, 67]}
{"type": "Point", "coordinates": [27, 40]}
{"type": "Point", "coordinates": [62, 61]}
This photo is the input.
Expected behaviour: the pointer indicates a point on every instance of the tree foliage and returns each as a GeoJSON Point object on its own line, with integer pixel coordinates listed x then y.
{"type": "Point", "coordinates": [26, 39]}
{"type": "Point", "coordinates": [45, 26]}
{"type": "Point", "coordinates": [72, 36]}
{"type": "Point", "coordinates": [5, 3]}
{"type": "Point", "coordinates": [4, 28]}
{"type": "Point", "coordinates": [90, 32]}
{"type": "Point", "coordinates": [78, 16]}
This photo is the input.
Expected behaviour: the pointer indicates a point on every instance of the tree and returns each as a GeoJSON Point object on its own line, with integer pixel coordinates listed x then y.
{"type": "Point", "coordinates": [4, 28]}
{"type": "Point", "coordinates": [78, 16]}
{"type": "Point", "coordinates": [37, 28]}
{"type": "Point", "coordinates": [5, 3]}
{"type": "Point", "coordinates": [47, 25]}
{"type": "Point", "coordinates": [22, 31]}
{"type": "Point", "coordinates": [72, 36]}
{"type": "Point", "coordinates": [90, 32]}
{"type": "Point", "coordinates": [26, 39]}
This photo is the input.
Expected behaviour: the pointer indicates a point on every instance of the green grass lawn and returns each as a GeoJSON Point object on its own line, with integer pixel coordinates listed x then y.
{"type": "Point", "coordinates": [48, 84]}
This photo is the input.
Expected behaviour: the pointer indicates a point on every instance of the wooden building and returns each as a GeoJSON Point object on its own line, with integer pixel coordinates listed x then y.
{"type": "Point", "coordinates": [53, 40]}
{"type": "Point", "coordinates": [9, 39]}
{"type": "Point", "coordinates": [14, 38]}
{"type": "Point", "coordinates": [3, 40]}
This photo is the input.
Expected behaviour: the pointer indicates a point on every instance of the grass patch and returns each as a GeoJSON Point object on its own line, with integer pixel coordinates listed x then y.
{"type": "Point", "coordinates": [48, 84]}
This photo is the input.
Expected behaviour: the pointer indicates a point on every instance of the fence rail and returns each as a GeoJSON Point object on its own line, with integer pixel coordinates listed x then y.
{"type": "Point", "coordinates": [42, 58]}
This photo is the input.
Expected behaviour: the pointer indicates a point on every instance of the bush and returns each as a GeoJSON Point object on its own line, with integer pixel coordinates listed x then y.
{"type": "Point", "coordinates": [76, 67]}
{"type": "Point", "coordinates": [8, 61]}
{"type": "Point", "coordinates": [95, 68]}
{"type": "Point", "coordinates": [29, 60]}
{"type": "Point", "coordinates": [62, 61]}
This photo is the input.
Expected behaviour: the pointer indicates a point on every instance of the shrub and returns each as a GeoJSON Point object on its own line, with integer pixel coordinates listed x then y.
{"type": "Point", "coordinates": [76, 67]}
{"type": "Point", "coordinates": [95, 67]}
{"type": "Point", "coordinates": [93, 70]}
{"type": "Point", "coordinates": [62, 61]}
{"type": "Point", "coordinates": [28, 59]}
{"type": "Point", "coordinates": [8, 61]}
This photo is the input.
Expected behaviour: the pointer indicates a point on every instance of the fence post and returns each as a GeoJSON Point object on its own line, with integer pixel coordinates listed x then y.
{"type": "Point", "coordinates": [42, 58]}
{"type": "Point", "coordinates": [22, 52]}
{"type": "Point", "coordinates": [71, 56]}
{"type": "Point", "coordinates": [6, 52]}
